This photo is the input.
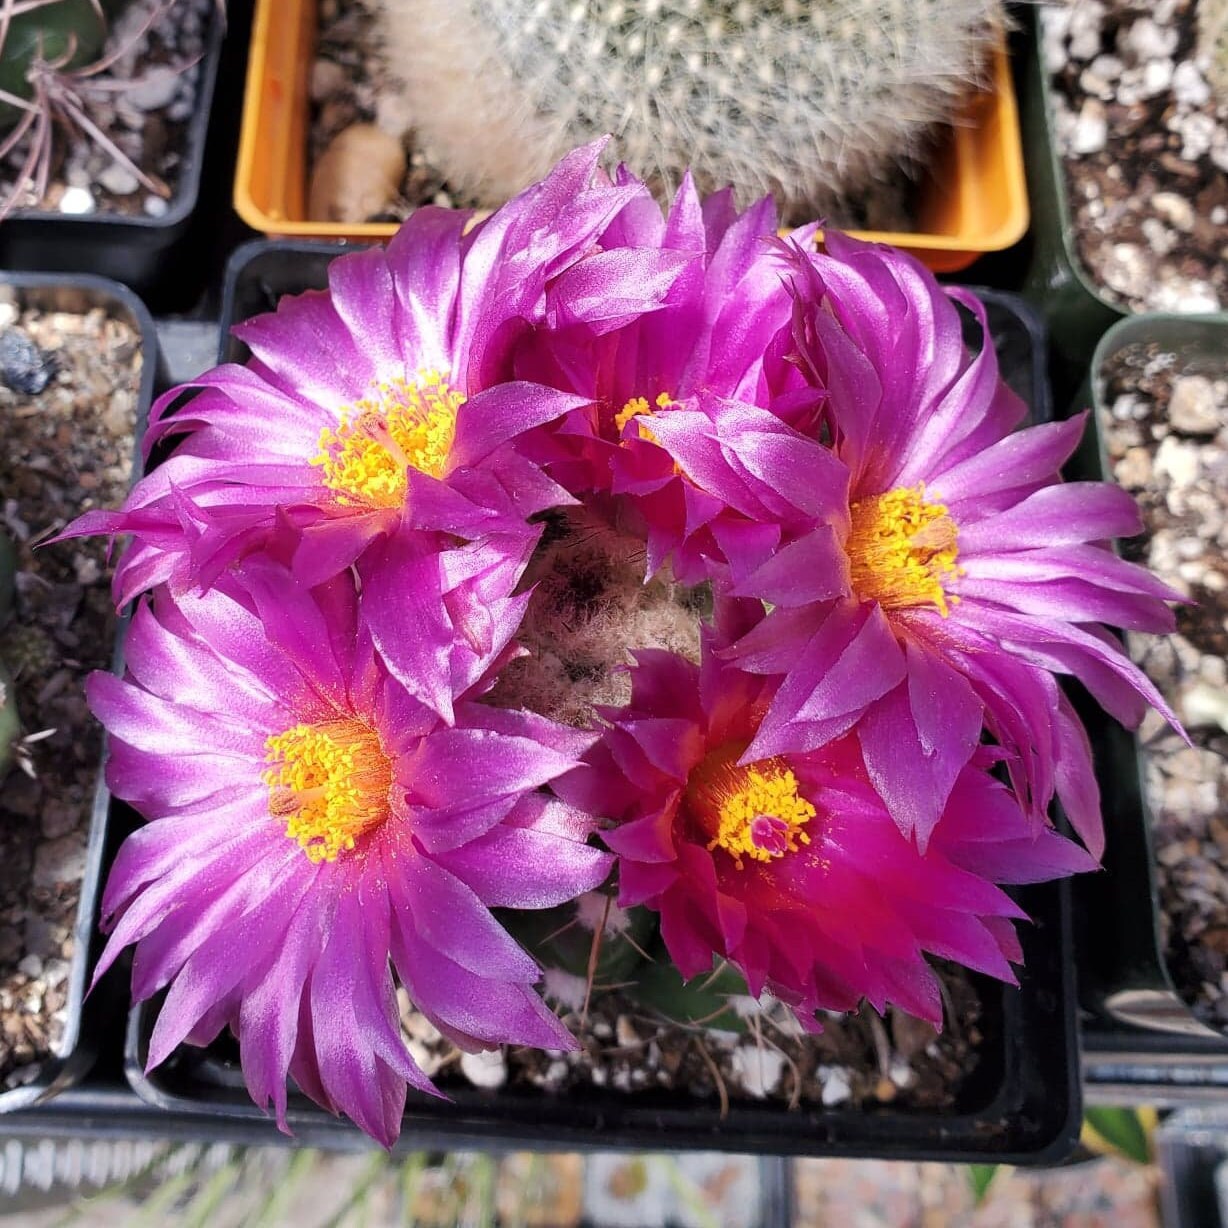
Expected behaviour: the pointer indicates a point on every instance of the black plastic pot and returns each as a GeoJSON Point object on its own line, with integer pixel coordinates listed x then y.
{"type": "Point", "coordinates": [149, 254]}
{"type": "Point", "coordinates": [1192, 1149]}
{"type": "Point", "coordinates": [86, 1021]}
{"type": "Point", "coordinates": [1140, 1039]}
{"type": "Point", "coordinates": [1056, 283]}
{"type": "Point", "coordinates": [1020, 1105]}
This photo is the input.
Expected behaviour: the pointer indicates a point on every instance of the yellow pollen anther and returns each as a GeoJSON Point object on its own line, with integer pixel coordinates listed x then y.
{"type": "Point", "coordinates": [753, 811]}
{"type": "Point", "coordinates": [639, 409]}
{"type": "Point", "coordinates": [902, 550]}
{"type": "Point", "coordinates": [396, 426]}
{"type": "Point", "coordinates": [330, 784]}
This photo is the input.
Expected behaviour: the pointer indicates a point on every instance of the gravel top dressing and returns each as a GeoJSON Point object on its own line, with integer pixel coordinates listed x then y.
{"type": "Point", "coordinates": [67, 448]}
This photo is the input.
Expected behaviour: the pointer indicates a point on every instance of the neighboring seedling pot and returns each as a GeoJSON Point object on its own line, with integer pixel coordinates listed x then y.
{"type": "Point", "coordinates": [974, 200]}
{"type": "Point", "coordinates": [1141, 94]}
{"type": "Point", "coordinates": [1020, 1103]}
{"type": "Point", "coordinates": [55, 827]}
{"type": "Point", "coordinates": [1057, 283]}
{"type": "Point", "coordinates": [1140, 1037]}
{"type": "Point", "coordinates": [148, 253]}
{"type": "Point", "coordinates": [1192, 1149]}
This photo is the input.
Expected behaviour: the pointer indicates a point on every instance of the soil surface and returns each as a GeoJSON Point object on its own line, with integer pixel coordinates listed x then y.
{"type": "Point", "coordinates": [67, 448]}
{"type": "Point", "coordinates": [857, 1061]}
{"type": "Point", "coordinates": [1167, 438]}
{"type": "Point", "coordinates": [1144, 141]}
{"type": "Point", "coordinates": [143, 102]}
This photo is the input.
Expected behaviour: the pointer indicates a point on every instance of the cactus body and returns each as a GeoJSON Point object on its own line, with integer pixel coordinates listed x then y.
{"type": "Point", "coordinates": [812, 100]}
{"type": "Point", "coordinates": [68, 28]}
{"type": "Point", "coordinates": [707, 998]}
{"type": "Point", "coordinates": [562, 937]}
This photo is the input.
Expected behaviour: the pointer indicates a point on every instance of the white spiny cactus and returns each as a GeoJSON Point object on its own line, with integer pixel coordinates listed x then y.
{"type": "Point", "coordinates": [812, 100]}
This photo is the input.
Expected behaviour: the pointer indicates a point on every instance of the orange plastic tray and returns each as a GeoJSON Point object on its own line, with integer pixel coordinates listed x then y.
{"type": "Point", "coordinates": [974, 199]}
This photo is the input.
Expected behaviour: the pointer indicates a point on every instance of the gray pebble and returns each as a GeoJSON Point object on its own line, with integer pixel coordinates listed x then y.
{"type": "Point", "coordinates": [23, 366]}
{"type": "Point", "coordinates": [118, 180]}
{"type": "Point", "coordinates": [155, 92]}
{"type": "Point", "coordinates": [1192, 408]}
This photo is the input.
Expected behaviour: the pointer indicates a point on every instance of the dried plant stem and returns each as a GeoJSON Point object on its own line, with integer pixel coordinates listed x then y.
{"type": "Point", "coordinates": [714, 1070]}
{"type": "Point", "coordinates": [594, 955]}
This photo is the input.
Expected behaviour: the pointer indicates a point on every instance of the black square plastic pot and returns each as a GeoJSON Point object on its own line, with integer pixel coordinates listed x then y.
{"type": "Point", "coordinates": [1192, 1150]}
{"type": "Point", "coordinates": [1140, 1039]}
{"type": "Point", "coordinates": [86, 1021]}
{"type": "Point", "coordinates": [1021, 1105]}
{"type": "Point", "coordinates": [1056, 283]}
{"type": "Point", "coordinates": [152, 255]}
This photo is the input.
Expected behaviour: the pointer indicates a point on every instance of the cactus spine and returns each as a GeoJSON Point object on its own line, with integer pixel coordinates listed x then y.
{"type": "Point", "coordinates": [812, 100]}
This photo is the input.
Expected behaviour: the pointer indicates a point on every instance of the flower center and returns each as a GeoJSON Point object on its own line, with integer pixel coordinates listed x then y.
{"type": "Point", "coordinates": [901, 549]}
{"type": "Point", "coordinates": [753, 811]}
{"type": "Point", "coordinates": [638, 410]}
{"type": "Point", "coordinates": [396, 426]}
{"type": "Point", "coordinates": [330, 783]}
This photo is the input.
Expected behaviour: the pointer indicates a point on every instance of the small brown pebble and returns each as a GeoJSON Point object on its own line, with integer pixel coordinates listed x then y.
{"type": "Point", "coordinates": [357, 176]}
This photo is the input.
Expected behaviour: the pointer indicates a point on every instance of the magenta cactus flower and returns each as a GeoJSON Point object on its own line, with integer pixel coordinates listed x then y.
{"type": "Point", "coordinates": [723, 327]}
{"type": "Point", "coordinates": [386, 403]}
{"type": "Point", "coordinates": [929, 571]}
{"type": "Point", "coordinates": [789, 865]}
{"type": "Point", "coordinates": [332, 566]}
{"type": "Point", "coordinates": [314, 827]}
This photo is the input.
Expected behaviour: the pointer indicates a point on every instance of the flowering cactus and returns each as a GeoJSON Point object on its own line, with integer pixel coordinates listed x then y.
{"type": "Point", "coordinates": [909, 533]}
{"type": "Point", "coordinates": [825, 779]}
{"type": "Point", "coordinates": [307, 811]}
{"type": "Point", "coordinates": [790, 865]}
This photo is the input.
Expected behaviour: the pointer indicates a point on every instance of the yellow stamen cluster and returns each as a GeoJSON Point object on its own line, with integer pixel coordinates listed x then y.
{"type": "Point", "coordinates": [902, 550]}
{"type": "Point", "coordinates": [639, 409]}
{"type": "Point", "coordinates": [754, 811]}
{"type": "Point", "coordinates": [330, 784]}
{"type": "Point", "coordinates": [396, 426]}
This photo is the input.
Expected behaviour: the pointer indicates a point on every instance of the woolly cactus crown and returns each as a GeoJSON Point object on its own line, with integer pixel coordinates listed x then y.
{"type": "Point", "coordinates": [811, 100]}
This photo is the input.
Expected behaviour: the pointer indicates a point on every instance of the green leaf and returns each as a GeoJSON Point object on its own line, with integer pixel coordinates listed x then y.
{"type": "Point", "coordinates": [1122, 1130]}
{"type": "Point", "coordinates": [980, 1178]}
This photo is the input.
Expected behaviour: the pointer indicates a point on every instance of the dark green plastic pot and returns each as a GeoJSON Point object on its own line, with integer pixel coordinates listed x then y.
{"type": "Point", "coordinates": [1141, 1041]}
{"type": "Point", "coordinates": [85, 1020]}
{"type": "Point", "coordinates": [1056, 283]}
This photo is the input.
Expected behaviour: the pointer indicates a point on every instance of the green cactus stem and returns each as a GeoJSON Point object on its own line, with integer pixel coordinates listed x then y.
{"type": "Point", "coordinates": [563, 937]}
{"type": "Point", "coordinates": [70, 30]}
{"type": "Point", "coordinates": [704, 1000]}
